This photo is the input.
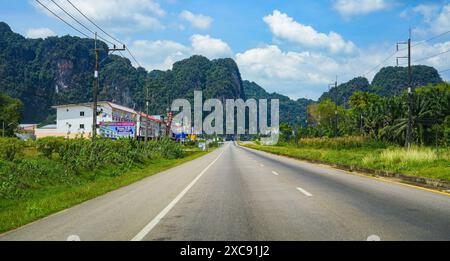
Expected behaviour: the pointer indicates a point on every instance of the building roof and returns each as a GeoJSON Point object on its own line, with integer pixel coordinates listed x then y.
{"type": "Point", "coordinates": [27, 125]}
{"type": "Point", "coordinates": [151, 118]}
{"type": "Point", "coordinates": [121, 108]}
{"type": "Point", "coordinates": [49, 127]}
{"type": "Point", "coordinates": [89, 104]}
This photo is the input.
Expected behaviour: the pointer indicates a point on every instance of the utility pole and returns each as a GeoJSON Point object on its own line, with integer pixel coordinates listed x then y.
{"type": "Point", "coordinates": [147, 104]}
{"type": "Point", "coordinates": [97, 83]}
{"type": "Point", "coordinates": [335, 85]}
{"type": "Point", "coordinates": [410, 91]}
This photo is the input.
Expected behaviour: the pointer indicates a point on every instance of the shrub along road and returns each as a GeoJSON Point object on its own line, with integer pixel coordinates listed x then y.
{"type": "Point", "coordinates": [236, 193]}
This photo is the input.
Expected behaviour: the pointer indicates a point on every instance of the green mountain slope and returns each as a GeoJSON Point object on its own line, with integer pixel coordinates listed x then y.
{"type": "Point", "coordinates": [389, 81]}
{"type": "Point", "coordinates": [292, 112]}
{"type": "Point", "coordinates": [59, 70]}
{"type": "Point", "coordinates": [392, 81]}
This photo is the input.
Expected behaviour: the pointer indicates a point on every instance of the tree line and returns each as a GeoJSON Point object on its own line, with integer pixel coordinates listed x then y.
{"type": "Point", "coordinates": [380, 118]}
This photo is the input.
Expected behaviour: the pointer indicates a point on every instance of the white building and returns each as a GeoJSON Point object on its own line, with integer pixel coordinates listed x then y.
{"type": "Point", "coordinates": [156, 126]}
{"type": "Point", "coordinates": [115, 121]}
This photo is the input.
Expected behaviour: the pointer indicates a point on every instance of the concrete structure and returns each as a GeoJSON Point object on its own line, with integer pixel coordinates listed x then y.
{"type": "Point", "coordinates": [114, 121]}
{"type": "Point", "coordinates": [156, 126]}
{"type": "Point", "coordinates": [75, 120]}
{"type": "Point", "coordinates": [48, 131]}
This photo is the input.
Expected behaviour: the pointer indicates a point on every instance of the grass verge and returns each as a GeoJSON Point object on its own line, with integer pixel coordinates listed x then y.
{"type": "Point", "coordinates": [49, 200]}
{"type": "Point", "coordinates": [417, 162]}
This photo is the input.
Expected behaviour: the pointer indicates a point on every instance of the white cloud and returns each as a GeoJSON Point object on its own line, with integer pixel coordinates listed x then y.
{"type": "Point", "coordinates": [286, 28]}
{"type": "Point", "coordinates": [350, 8]}
{"type": "Point", "coordinates": [36, 33]}
{"type": "Point", "coordinates": [159, 54]}
{"type": "Point", "coordinates": [436, 19]}
{"type": "Point", "coordinates": [162, 54]}
{"type": "Point", "coordinates": [210, 47]}
{"type": "Point", "coordinates": [197, 20]}
{"type": "Point", "coordinates": [304, 74]}
{"type": "Point", "coordinates": [442, 22]}
{"type": "Point", "coordinates": [296, 74]}
{"type": "Point", "coordinates": [131, 15]}
{"type": "Point", "coordinates": [440, 62]}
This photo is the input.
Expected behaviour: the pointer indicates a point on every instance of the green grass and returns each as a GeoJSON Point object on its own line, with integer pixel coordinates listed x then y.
{"type": "Point", "coordinates": [418, 161]}
{"type": "Point", "coordinates": [45, 200]}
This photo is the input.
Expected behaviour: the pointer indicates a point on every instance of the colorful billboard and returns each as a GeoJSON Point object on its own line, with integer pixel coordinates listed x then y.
{"type": "Point", "coordinates": [118, 130]}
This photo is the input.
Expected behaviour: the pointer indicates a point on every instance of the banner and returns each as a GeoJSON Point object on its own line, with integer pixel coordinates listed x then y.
{"type": "Point", "coordinates": [118, 130]}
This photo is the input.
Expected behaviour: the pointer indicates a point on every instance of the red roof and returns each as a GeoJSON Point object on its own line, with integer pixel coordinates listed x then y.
{"type": "Point", "coordinates": [151, 118]}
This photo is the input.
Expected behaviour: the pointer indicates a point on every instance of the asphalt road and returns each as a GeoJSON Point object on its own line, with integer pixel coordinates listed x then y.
{"type": "Point", "coordinates": [239, 194]}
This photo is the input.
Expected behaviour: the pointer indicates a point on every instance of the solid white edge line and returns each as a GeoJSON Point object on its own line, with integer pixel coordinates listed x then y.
{"type": "Point", "coordinates": [306, 193]}
{"type": "Point", "coordinates": [275, 173]}
{"type": "Point", "coordinates": [150, 226]}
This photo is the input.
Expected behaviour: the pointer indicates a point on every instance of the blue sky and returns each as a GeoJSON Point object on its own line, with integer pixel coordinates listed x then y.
{"type": "Point", "coordinates": [294, 47]}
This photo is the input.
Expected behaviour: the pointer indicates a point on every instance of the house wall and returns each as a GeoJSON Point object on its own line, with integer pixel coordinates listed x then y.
{"type": "Point", "coordinates": [70, 120]}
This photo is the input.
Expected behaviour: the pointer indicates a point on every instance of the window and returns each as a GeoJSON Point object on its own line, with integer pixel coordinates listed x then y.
{"type": "Point", "coordinates": [81, 126]}
{"type": "Point", "coordinates": [81, 113]}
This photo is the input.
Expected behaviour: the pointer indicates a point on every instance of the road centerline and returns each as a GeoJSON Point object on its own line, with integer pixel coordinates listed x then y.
{"type": "Point", "coordinates": [150, 226]}
{"type": "Point", "coordinates": [275, 173]}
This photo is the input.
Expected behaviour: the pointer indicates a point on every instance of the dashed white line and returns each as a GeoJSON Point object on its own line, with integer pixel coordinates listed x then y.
{"type": "Point", "coordinates": [275, 173]}
{"type": "Point", "coordinates": [262, 165]}
{"type": "Point", "coordinates": [147, 229]}
{"type": "Point", "coordinates": [306, 193]}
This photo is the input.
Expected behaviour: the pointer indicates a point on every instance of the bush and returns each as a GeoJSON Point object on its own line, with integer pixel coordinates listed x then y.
{"type": "Point", "coordinates": [10, 148]}
{"type": "Point", "coordinates": [20, 175]}
{"type": "Point", "coordinates": [48, 146]}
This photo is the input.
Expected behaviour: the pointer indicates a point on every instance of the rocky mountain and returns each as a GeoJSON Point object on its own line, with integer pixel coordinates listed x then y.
{"type": "Point", "coordinates": [59, 70]}
{"type": "Point", "coordinates": [343, 92]}
{"type": "Point", "coordinates": [392, 81]}
{"type": "Point", "coordinates": [389, 81]}
{"type": "Point", "coordinates": [292, 112]}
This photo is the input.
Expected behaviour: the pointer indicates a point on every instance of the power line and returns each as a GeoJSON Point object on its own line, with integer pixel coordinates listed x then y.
{"type": "Point", "coordinates": [427, 40]}
{"type": "Point", "coordinates": [112, 37]}
{"type": "Point", "coordinates": [134, 58]}
{"type": "Point", "coordinates": [80, 23]}
{"type": "Point", "coordinates": [431, 56]}
{"type": "Point", "coordinates": [92, 22]}
{"type": "Point", "coordinates": [59, 17]}
{"type": "Point", "coordinates": [383, 62]}
{"type": "Point", "coordinates": [444, 70]}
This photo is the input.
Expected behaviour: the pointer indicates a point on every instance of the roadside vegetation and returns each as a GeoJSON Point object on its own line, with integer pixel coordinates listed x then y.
{"type": "Point", "coordinates": [38, 178]}
{"type": "Point", "coordinates": [369, 133]}
{"type": "Point", "coordinates": [359, 155]}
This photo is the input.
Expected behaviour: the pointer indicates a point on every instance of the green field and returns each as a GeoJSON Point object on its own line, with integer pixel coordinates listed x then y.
{"type": "Point", "coordinates": [356, 153]}
{"type": "Point", "coordinates": [38, 181]}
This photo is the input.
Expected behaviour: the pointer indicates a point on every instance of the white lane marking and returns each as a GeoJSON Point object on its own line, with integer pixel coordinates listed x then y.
{"type": "Point", "coordinates": [73, 238]}
{"type": "Point", "coordinates": [262, 165]}
{"type": "Point", "coordinates": [374, 238]}
{"type": "Point", "coordinates": [306, 193]}
{"type": "Point", "coordinates": [147, 229]}
{"type": "Point", "coordinates": [275, 173]}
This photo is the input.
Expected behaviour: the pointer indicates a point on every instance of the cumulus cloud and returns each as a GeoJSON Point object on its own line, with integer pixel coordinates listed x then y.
{"type": "Point", "coordinates": [210, 47]}
{"type": "Point", "coordinates": [130, 15]}
{"type": "Point", "coordinates": [162, 54]}
{"type": "Point", "coordinates": [440, 62]}
{"type": "Point", "coordinates": [284, 27]}
{"type": "Point", "coordinates": [197, 20]}
{"type": "Point", "coordinates": [436, 18]}
{"type": "Point", "coordinates": [305, 74]}
{"type": "Point", "coordinates": [350, 8]}
{"type": "Point", "coordinates": [36, 33]}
